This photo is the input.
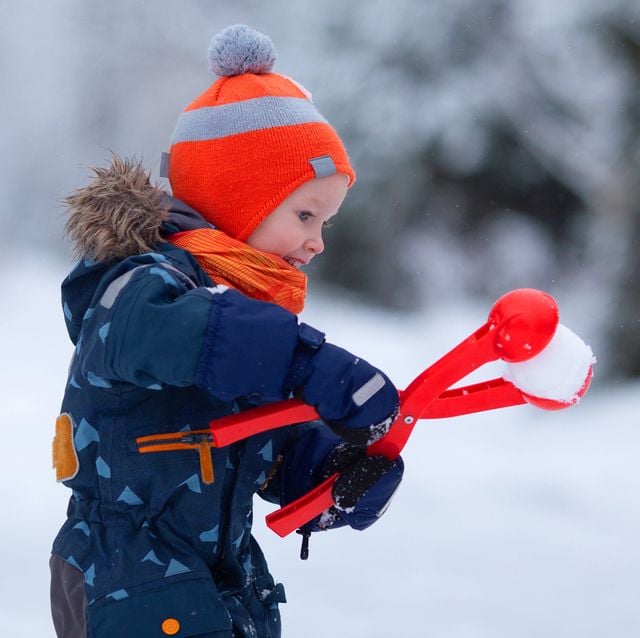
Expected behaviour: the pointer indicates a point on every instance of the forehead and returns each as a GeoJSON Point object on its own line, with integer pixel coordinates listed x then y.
{"type": "Point", "coordinates": [322, 191]}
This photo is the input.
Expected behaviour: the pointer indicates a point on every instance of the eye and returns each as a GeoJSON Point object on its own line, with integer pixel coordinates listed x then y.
{"type": "Point", "coordinates": [327, 225]}
{"type": "Point", "coordinates": [305, 215]}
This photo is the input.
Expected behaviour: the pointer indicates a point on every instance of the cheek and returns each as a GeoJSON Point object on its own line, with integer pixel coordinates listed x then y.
{"type": "Point", "coordinates": [262, 237]}
{"type": "Point", "coordinates": [271, 239]}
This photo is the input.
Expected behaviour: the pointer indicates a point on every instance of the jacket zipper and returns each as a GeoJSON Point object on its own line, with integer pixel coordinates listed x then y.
{"type": "Point", "coordinates": [200, 440]}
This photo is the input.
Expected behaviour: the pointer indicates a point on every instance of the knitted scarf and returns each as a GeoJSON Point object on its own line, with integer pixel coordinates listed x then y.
{"type": "Point", "coordinates": [231, 262]}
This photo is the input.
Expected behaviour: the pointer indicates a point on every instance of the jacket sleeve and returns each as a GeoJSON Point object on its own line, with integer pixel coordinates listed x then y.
{"type": "Point", "coordinates": [157, 329]}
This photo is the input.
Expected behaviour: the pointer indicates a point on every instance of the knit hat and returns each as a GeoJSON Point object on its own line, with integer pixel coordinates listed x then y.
{"type": "Point", "coordinates": [251, 139]}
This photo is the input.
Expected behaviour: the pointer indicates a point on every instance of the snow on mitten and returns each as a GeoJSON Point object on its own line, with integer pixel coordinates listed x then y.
{"type": "Point", "coordinates": [363, 436]}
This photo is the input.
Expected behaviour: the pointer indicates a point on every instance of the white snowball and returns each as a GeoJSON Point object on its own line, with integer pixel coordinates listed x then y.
{"type": "Point", "coordinates": [558, 372]}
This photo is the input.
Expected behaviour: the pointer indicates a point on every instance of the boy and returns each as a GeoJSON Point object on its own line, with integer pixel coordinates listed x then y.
{"type": "Point", "coordinates": [183, 309]}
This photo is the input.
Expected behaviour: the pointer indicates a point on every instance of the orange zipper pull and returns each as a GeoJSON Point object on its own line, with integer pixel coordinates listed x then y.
{"type": "Point", "coordinates": [206, 462]}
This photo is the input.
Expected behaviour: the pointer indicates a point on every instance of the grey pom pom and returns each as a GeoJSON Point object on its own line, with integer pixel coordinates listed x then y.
{"type": "Point", "coordinates": [239, 49]}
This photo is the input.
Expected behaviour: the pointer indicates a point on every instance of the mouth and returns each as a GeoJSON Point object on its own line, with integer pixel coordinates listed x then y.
{"type": "Point", "coordinates": [296, 263]}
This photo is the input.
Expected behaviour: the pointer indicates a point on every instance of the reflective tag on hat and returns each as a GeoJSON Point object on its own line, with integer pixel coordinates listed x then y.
{"type": "Point", "coordinates": [164, 165]}
{"type": "Point", "coordinates": [323, 166]}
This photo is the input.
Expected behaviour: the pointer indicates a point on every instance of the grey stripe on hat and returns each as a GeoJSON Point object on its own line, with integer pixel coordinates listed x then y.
{"type": "Point", "coordinates": [214, 122]}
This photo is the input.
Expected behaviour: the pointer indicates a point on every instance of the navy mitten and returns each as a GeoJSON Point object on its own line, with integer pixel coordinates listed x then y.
{"type": "Point", "coordinates": [364, 488]}
{"type": "Point", "coordinates": [361, 493]}
{"type": "Point", "coordinates": [355, 399]}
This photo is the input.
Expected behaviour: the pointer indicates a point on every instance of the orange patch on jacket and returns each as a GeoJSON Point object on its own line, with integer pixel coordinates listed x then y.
{"type": "Point", "coordinates": [65, 458]}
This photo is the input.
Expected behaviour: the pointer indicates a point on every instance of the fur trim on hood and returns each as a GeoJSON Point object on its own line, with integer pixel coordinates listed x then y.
{"type": "Point", "coordinates": [118, 214]}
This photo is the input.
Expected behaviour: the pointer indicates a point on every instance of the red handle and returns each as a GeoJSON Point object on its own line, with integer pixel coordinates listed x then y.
{"type": "Point", "coordinates": [479, 397]}
{"type": "Point", "coordinates": [304, 509]}
{"type": "Point", "coordinates": [236, 427]}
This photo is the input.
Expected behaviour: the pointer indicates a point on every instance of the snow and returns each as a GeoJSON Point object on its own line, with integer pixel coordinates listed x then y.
{"type": "Point", "coordinates": [519, 522]}
{"type": "Point", "coordinates": [559, 372]}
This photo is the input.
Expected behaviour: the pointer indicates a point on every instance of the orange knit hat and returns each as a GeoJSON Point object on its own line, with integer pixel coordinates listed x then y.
{"type": "Point", "coordinates": [252, 138]}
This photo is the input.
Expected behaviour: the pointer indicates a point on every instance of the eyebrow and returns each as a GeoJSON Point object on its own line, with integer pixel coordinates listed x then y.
{"type": "Point", "coordinates": [314, 201]}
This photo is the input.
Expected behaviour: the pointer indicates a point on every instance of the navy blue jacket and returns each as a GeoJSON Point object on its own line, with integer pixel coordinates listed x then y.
{"type": "Point", "coordinates": [160, 350]}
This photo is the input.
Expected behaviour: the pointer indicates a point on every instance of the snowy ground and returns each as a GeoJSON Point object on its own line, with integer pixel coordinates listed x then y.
{"type": "Point", "coordinates": [515, 524]}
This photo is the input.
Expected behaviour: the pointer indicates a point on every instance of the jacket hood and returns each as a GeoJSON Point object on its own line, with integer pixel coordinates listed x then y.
{"type": "Point", "coordinates": [118, 214]}
{"type": "Point", "coordinates": [116, 222]}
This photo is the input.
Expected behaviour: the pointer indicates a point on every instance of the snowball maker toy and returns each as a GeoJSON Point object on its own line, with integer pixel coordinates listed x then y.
{"type": "Point", "coordinates": [521, 326]}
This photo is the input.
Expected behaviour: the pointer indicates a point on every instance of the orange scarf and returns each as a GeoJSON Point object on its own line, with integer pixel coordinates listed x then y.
{"type": "Point", "coordinates": [231, 262]}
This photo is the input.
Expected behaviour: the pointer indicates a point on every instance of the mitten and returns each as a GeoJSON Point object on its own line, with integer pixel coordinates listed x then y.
{"type": "Point", "coordinates": [364, 488]}
{"type": "Point", "coordinates": [361, 493]}
{"type": "Point", "coordinates": [354, 398]}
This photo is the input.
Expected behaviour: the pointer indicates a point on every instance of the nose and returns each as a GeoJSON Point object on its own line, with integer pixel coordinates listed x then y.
{"type": "Point", "coordinates": [314, 244]}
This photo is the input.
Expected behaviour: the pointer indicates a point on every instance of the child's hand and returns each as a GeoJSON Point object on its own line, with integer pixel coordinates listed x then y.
{"type": "Point", "coordinates": [364, 488]}
{"type": "Point", "coordinates": [357, 401]}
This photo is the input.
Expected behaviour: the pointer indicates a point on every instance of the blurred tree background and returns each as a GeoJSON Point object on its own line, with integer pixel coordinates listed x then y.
{"type": "Point", "coordinates": [496, 141]}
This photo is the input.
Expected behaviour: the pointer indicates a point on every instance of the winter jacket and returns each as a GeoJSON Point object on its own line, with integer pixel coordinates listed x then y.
{"type": "Point", "coordinates": [159, 521]}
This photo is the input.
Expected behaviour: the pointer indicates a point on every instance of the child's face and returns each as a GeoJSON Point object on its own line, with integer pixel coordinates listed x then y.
{"type": "Point", "coordinates": [293, 230]}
